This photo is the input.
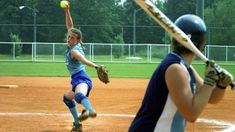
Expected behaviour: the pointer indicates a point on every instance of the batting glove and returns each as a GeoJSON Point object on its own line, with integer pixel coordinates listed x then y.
{"type": "Point", "coordinates": [225, 79]}
{"type": "Point", "coordinates": [212, 73]}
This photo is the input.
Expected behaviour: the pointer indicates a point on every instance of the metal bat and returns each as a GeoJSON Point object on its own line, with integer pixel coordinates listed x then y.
{"type": "Point", "coordinates": [171, 28]}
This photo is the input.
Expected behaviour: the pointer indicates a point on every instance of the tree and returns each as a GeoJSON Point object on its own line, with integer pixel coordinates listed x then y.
{"type": "Point", "coordinates": [147, 31]}
{"type": "Point", "coordinates": [220, 22]}
{"type": "Point", "coordinates": [98, 19]}
{"type": "Point", "coordinates": [176, 8]}
{"type": "Point", "coordinates": [17, 50]}
{"type": "Point", "coordinates": [9, 14]}
{"type": "Point", "coordinates": [118, 50]}
{"type": "Point", "coordinates": [208, 3]}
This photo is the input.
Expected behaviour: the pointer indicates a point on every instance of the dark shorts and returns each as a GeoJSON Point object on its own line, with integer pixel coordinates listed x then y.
{"type": "Point", "coordinates": [81, 77]}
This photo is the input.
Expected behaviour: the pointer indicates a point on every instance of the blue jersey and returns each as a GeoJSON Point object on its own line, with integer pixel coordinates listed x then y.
{"type": "Point", "coordinates": [158, 113]}
{"type": "Point", "coordinates": [74, 66]}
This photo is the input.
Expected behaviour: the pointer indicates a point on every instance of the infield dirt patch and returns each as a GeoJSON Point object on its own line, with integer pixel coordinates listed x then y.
{"type": "Point", "coordinates": [37, 106]}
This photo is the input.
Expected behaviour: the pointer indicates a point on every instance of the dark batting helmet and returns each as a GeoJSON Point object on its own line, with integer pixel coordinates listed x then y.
{"type": "Point", "coordinates": [195, 28]}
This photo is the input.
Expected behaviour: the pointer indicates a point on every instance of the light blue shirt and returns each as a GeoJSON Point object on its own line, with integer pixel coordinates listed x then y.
{"type": "Point", "coordinates": [74, 66]}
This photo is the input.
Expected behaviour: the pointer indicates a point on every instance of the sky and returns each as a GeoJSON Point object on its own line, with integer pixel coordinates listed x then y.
{"type": "Point", "coordinates": [123, 1]}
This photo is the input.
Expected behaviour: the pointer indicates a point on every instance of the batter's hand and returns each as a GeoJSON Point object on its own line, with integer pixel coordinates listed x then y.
{"type": "Point", "coordinates": [212, 73]}
{"type": "Point", "coordinates": [225, 79]}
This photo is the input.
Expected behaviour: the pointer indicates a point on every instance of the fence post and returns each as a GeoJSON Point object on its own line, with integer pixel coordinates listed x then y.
{"type": "Point", "coordinates": [208, 51]}
{"type": "Point", "coordinates": [129, 52]}
{"type": "Point", "coordinates": [92, 52]}
{"type": "Point", "coordinates": [111, 52]}
{"type": "Point", "coordinates": [226, 59]}
{"type": "Point", "coordinates": [147, 52]}
{"type": "Point", "coordinates": [53, 51]}
{"type": "Point", "coordinates": [169, 48]}
{"type": "Point", "coordinates": [35, 51]}
{"type": "Point", "coordinates": [150, 53]}
{"type": "Point", "coordinates": [32, 52]}
{"type": "Point", "coordinates": [14, 51]}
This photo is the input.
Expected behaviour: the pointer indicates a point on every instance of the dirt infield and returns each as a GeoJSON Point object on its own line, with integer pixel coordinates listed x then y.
{"type": "Point", "coordinates": [37, 106]}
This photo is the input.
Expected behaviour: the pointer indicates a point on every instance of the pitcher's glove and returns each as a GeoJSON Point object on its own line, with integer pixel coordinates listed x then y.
{"type": "Point", "coordinates": [102, 73]}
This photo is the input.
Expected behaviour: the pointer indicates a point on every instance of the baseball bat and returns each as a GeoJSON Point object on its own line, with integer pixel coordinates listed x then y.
{"type": "Point", "coordinates": [171, 28]}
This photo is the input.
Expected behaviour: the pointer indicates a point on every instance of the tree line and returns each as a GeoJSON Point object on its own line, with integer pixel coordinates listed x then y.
{"type": "Point", "coordinates": [108, 21]}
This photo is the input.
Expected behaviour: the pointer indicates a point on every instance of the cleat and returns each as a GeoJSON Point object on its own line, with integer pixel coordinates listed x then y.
{"type": "Point", "coordinates": [76, 128]}
{"type": "Point", "coordinates": [84, 115]}
{"type": "Point", "coordinates": [87, 113]}
{"type": "Point", "coordinates": [92, 113]}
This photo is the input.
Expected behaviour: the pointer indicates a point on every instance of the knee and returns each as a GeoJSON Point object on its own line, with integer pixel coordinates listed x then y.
{"type": "Point", "coordinates": [68, 102]}
{"type": "Point", "coordinates": [79, 97]}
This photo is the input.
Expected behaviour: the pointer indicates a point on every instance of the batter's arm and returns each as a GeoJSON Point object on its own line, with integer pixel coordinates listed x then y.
{"type": "Point", "coordinates": [189, 105]}
{"type": "Point", "coordinates": [217, 94]}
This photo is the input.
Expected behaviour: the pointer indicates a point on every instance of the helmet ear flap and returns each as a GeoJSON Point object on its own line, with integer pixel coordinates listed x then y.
{"type": "Point", "coordinates": [199, 41]}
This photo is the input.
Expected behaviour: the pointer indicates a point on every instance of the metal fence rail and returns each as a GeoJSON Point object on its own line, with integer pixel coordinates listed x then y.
{"type": "Point", "coordinates": [103, 52]}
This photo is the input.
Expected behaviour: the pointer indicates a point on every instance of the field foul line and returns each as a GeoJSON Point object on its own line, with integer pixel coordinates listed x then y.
{"type": "Point", "coordinates": [226, 126]}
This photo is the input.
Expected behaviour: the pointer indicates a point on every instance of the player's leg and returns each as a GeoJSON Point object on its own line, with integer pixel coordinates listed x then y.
{"type": "Point", "coordinates": [70, 103]}
{"type": "Point", "coordinates": [80, 97]}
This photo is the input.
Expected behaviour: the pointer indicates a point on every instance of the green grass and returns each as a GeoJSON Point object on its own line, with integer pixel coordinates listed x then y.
{"type": "Point", "coordinates": [60, 58]}
{"type": "Point", "coordinates": [59, 69]}
{"type": "Point", "coordinates": [32, 69]}
{"type": "Point", "coordinates": [116, 70]}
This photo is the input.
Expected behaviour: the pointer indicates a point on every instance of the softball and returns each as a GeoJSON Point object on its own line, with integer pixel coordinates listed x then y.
{"type": "Point", "coordinates": [64, 4]}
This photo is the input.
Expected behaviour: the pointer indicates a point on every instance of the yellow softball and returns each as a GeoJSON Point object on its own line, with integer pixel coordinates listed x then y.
{"type": "Point", "coordinates": [64, 4]}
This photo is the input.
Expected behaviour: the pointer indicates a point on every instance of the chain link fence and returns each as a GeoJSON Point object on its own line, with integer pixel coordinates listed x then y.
{"type": "Point", "coordinates": [103, 52]}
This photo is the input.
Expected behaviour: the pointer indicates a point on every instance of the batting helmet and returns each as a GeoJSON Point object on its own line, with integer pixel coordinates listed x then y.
{"type": "Point", "coordinates": [195, 28]}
